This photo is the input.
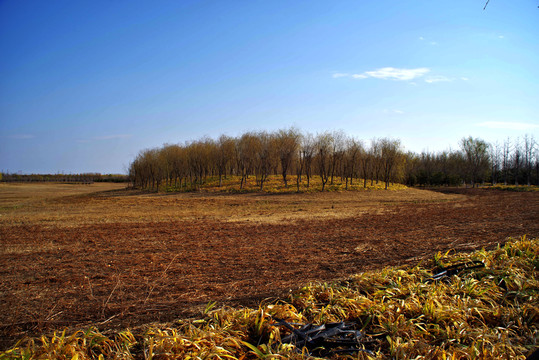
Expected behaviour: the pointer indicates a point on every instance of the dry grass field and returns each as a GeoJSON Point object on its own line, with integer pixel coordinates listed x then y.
{"type": "Point", "coordinates": [67, 205]}
{"type": "Point", "coordinates": [80, 255]}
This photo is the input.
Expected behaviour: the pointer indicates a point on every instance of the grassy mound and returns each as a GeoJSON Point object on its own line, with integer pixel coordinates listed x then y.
{"type": "Point", "coordinates": [275, 184]}
{"type": "Point", "coordinates": [485, 313]}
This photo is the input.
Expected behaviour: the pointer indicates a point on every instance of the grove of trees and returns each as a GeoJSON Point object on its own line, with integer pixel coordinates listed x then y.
{"type": "Point", "coordinates": [331, 156]}
{"type": "Point", "coordinates": [515, 162]}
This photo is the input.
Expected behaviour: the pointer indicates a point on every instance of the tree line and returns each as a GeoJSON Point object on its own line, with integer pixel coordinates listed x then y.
{"type": "Point", "coordinates": [84, 178]}
{"type": "Point", "coordinates": [330, 156]}
{"type": "Point", "coordinates": [513, 162]}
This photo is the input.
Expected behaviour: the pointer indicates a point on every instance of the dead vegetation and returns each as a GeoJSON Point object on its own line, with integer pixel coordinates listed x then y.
{"type": "Point", "coordinates": [120, 259]}
{"type": "Point", "coordinates": [488, 313]}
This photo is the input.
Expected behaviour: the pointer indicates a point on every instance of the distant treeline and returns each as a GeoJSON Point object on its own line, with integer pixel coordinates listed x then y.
{"type": "Point", "coordinates": [86, 178]}
{"type": "Point", "coordinates": [331, 155]}
{"type": "Point", "coordinates": [513, 162]}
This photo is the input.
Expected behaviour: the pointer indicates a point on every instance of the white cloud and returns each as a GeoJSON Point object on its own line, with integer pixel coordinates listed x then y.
{"type": "Point", "coordinates": [508, 125]}
{"type": "Point", "coordinates": [397, 74]}
{"type": "Point", "coordinates": [359, 76]}
{"type": "Point", "coordinates": [390, 73]}
{"type": "Point", "coordinates": [437, 78]}
{"type": "Point", "coordinates": [430, 42]}
{"type": "Point", "coordinates": [501, 37]}
{"type": "Point", "coordinates": [386, 111]}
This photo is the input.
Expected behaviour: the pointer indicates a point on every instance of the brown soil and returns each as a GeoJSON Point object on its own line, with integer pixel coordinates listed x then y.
{"type": "Point", "coordinates": [145, 264]}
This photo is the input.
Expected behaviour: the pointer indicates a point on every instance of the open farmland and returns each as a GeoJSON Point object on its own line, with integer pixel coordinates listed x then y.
{"type": "Point", "coordinates": [72, 257]}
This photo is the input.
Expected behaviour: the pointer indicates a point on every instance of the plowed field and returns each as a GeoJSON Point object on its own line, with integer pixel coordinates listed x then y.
{"type": "Point", "coordinates": [121, 259]}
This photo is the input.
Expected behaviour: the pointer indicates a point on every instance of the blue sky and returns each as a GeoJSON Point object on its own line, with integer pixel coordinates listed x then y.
{"type": "Point", "coordinates": [86, 85]}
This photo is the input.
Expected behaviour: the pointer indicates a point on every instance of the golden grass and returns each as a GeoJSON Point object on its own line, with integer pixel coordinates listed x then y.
{"type": "Point", "coordinates": [75, 205]}
{"type": "Point", "coordinates": [274, 185]}
{"type": "Point", "coordinates": [490, 313]}
{"type": "Point", "coordinates": [519, 188]}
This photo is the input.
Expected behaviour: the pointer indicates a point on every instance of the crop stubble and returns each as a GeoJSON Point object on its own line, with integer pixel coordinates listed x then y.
{"type": "Point", "coordinates": [119, 258]}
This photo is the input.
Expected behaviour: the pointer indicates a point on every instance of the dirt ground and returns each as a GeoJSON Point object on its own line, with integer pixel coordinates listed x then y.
{"type": "Point", "coordinates": [117, 258]}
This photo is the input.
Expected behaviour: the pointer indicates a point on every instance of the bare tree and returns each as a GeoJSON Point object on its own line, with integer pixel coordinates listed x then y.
{"type": "Point", "coordinates": [338, 147]}
{"type": "Point", "coordinates": [366, 166]}
{"type": "Point", "coordinates": [166, 161]}
{"type": "Point", "coordinates": [529, 150]}
{"type": "Point", "coordinates": [300, 165]}
{"type": "Point", "coordinates": [391, 158]}
{"type": "Point", "coordinates": [476, 154]}
{"type": "Point", "coordinates": [354, 150]}
{"type": "Point", "coordinates": [225, 155]}
{"type": "Point", "coordinates": [517, 161]}
{"type": "Point", "coordinates": [376, 160]}
{"type": "Point", "coordinates": [324, 148]}
{"type": "Point", "coordinates": [247, 148]}
{"type": "Point", "coordinates": [506, 159]}
{"type": "Point", "coordinates": [151, 168]}
{"type": "Point", "coordinates": [301, 160]}
{"type": "Point", "coordinates": [495, 160]}
{"type": "Point", "coordinates": [287, 143]}
{"type": "Point", "coordinates": [264, 157]}
{"type": "Point", "coordinates": [411, 168]}
{"type": "Point", "coordinates": [307, 150]}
